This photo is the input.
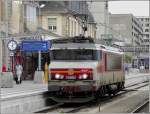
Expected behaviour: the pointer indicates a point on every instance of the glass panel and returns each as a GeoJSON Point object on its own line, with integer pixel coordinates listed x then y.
{"type": "Point", "coordinates": [75, 54]}
{"type": "Point", "coordinates": [113, 62]}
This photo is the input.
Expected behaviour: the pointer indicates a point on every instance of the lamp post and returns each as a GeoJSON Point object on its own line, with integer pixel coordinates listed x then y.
{"type": "Point", "coordinates": [149, 37]}
{"type": "Point", "coordinates": [40, 24]}
{"type": "Point", "coordinates": [40, 17]}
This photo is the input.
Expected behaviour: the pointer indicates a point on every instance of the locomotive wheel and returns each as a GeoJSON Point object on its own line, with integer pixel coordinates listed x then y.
{"type": "Point", "coordinates": [121, 85]}
{"type": "Point", "coordinates": [108, 90]}
{"type": "Point", "coordinates": [96, 95]}
{"type": "Point", "coordinates": [102, 91]}
{"type": "Point", "coordinates": [111, 92]}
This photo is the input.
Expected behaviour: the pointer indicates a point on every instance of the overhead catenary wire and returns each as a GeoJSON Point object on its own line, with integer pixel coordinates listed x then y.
{"type": "Point", "coordinates": [102, 24]}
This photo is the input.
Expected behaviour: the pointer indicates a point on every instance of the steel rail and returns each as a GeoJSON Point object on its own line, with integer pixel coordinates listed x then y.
{"type": "Point", "coordinates": [77, 108]}
{"type": "Point", "coordinates": [103, 100]}
{"type": "Point", "coordinates": [49, 108]}
{"type": "Point", "coordinates": [140, 107]}
{"type": "Point", "coordinates": [146, 83]}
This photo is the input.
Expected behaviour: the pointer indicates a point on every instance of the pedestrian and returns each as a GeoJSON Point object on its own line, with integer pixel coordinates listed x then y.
{"type": "Point", "coordinates": [146, 66]}
{"type": "Point", "coordinates": [4, 68]}
{"type": "Point", "coordinates": [19, 70]}
{"type": "Point", "coordinates": [126, 68]}
{"type": "Point", "coordinates": [46, 72]}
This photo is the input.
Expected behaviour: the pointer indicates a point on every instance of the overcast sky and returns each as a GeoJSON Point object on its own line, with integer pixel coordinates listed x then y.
{"type": "Point", "coordinates": [137, 8]}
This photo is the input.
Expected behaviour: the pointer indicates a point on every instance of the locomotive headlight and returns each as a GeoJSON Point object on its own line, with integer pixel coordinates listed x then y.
{"type": "Point", "coordinates": [57, 76]}
{"type": "Point", "coordinates": [84, 76]}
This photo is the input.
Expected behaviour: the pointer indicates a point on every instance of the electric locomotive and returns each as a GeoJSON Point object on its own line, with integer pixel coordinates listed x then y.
{"type": "Point", "coordinates": [82, 70]}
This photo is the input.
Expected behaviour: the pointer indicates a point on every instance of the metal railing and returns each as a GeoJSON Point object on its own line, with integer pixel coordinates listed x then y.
{"type": "Point", "coordinates": [135, 49]}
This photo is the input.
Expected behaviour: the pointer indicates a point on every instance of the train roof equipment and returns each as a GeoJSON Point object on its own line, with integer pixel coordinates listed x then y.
{"type": "Point", "coordinates": [81, 42]}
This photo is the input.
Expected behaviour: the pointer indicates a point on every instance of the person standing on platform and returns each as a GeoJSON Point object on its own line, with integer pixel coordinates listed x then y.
{"type": "Point", "coordinates": [4, 68]}
{"type": "Point", "coordinates": [46, 72]}
{"type": "Point", "coordinates": [19, 71]}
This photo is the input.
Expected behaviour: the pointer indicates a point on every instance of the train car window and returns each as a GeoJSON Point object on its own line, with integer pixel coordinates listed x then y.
{"type": "Point", "coordinates": [74, 54]}
{"type": "Point", "coordinates": [114, 62]}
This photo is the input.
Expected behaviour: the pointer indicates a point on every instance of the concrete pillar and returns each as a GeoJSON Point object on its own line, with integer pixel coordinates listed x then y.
{"type": "Point", "coordinates": [1, 55]}
{"type": "Point", "coordinates": [0, 9]}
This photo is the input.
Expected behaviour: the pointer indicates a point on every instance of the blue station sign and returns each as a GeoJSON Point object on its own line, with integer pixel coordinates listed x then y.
{"type": "Point", "coordinates": [35, 45]}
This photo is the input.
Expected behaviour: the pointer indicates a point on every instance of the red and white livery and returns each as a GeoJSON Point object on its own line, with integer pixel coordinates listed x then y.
{"type": "Point", "coordinates": [81, 70]}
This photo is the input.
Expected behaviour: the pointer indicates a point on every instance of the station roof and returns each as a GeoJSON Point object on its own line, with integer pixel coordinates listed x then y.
{"type": "Point", "coordinates": [35, 34]}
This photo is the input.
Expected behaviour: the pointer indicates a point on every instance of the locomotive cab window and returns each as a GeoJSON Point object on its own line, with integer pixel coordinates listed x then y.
{"type": "Point", "coordinates": [113, 62]}
{"type": "Point", "coordinates": [74, 54]}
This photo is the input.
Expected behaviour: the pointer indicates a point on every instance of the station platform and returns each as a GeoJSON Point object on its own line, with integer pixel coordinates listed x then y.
{"type": "Point", "coordinates": [25, 88]}
{"type": "Point", "coordinates": [30, 87]}
{"type": "Point", "coordinates": [23, 97]}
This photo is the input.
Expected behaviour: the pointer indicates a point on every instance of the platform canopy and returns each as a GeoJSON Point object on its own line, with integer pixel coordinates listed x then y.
{"type": "Point", "coordinates": [39, 34]}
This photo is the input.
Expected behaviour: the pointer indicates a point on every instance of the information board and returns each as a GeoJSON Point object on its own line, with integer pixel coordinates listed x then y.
{"type": "Point", "coordinates": [35, 46]}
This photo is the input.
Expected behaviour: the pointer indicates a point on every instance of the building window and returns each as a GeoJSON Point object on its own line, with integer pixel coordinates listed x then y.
{"type": "Point", "coordinates": [147, 25]}
{"type": "Point", "coordinates": [113, 62]}
{"type": "Point", "coordinates": [146, 19]}
{"type": "Point", "coordinates": [52, 24]}
{"type": "Point", "coordinates": [146, 30]}
{"type": "Point", "coordinates": [147, 35]}
{"type": "Point", "coordinates": [132, 34]}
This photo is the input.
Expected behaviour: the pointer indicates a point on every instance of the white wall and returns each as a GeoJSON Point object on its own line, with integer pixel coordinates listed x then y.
{"type": "Point", "coordinates": [31, 18]}
{"type": "Point", "coordinates": [1, 55]}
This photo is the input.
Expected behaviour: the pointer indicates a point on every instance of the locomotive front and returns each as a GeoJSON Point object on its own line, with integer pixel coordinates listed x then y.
{"type": "Point", "coordinates": [72, 72]}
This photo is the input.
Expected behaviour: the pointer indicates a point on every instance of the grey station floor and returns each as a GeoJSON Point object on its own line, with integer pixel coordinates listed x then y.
{"type": "Point", "coordinates": [25, 88]}
{"type": "Point", "coordinates": [30, 87]}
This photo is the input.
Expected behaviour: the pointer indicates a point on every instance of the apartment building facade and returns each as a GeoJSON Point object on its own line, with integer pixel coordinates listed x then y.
{"type": "Point", "coordinates": [145, 21]}
{"type": "Point", "coordinates": [65, 18]}
{"type": "Point", "coordinates": [126, 27]}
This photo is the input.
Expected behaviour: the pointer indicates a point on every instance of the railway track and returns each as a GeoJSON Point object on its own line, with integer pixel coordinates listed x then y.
{"type": "Point", "coordinates": [139, 85]}
{"type": "Point", "coordinates": [103, 101]}
{"type": "Point", "coordinates": [135, 84]}
{"type": "Point", "coordinates": [49, 108]}
{"type": "Point", "coordinates": [141, 106]}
